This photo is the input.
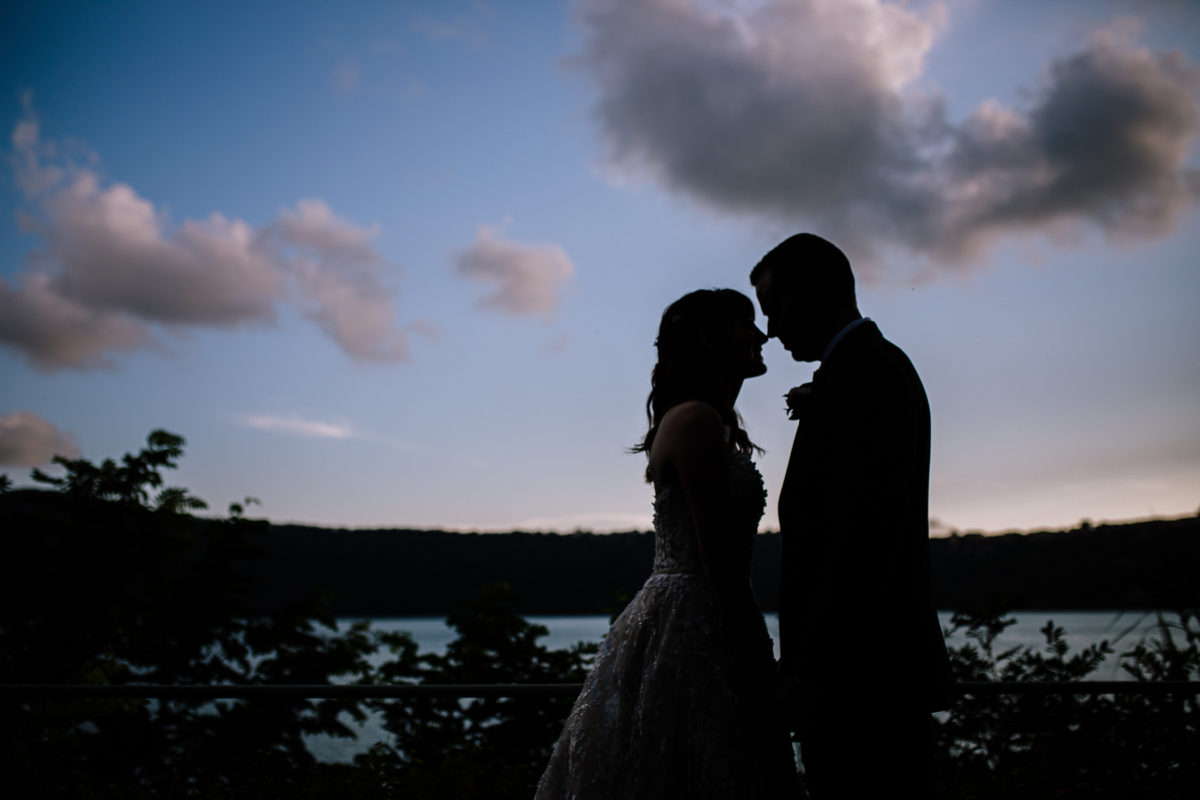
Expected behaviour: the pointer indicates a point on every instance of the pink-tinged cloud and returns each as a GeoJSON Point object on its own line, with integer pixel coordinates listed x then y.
{"type": "Point", "coordinates": [53, 331]}
{"type": "Point", "coordinates": [340, 275]}
{"type": "Point", "coordinates": [808, 111]}
{"type": "Point", "coordinates": [27, 440]}
{"type": "Point", "coordinates": [526, 279]}
{"type": "Point", "coordinates": [304, 427]}
{"type": "Point", "coordinates": [112, 270]}
{"type": "Point", "coordinates": [296, 425]}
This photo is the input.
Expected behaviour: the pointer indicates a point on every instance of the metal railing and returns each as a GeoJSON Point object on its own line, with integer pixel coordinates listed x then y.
{"type": "Point", "coordinates": [365, 691]}
{"type": "Point", "coordinates": [305, 691]}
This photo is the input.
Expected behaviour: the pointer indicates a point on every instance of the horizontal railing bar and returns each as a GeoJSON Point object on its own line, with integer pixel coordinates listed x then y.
{"type": "Point", "coordinates": [312, 691]}
{"type": "Point", "coordinates": [329, 691]}
{"type": "Point", "coordinates": [1078, 687]}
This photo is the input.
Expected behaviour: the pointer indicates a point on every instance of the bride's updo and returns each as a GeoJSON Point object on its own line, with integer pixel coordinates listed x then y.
{"type": "Point", "coordinates": [685, 368]}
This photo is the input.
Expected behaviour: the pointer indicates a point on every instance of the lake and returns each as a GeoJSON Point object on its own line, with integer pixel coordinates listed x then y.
{"type": "Point", "coordinates": [1083, 628]}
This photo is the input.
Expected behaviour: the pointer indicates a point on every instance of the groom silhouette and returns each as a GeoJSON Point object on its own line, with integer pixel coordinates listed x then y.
{"type": "Point", "coordinates": [862, 661]}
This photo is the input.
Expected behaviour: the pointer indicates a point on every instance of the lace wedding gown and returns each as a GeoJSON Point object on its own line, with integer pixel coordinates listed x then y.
{"type": "Point", "coordinates": [676, 704]}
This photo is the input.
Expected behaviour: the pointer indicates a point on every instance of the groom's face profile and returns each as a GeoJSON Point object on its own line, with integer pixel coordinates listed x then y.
{"type": "Point", "coordinates": [792, 318]}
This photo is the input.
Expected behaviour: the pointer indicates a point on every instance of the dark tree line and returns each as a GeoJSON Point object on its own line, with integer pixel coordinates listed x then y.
{"type": "Point", "coordinates": [1141, 565]}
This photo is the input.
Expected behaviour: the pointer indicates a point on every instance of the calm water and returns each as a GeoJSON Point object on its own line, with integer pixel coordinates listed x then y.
{"type": "Point", "coordinates": [1083, 628]}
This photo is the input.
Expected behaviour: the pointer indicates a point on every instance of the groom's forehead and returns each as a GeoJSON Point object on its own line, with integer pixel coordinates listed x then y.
{"type": "Point", "coordinates": [762, 290]}
{"type": "Point", "coordinates": [772, 292]}
{"type": "Point", "coordinates": [766, 286]}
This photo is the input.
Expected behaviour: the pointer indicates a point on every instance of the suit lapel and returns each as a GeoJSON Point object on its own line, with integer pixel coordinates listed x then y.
{"type": "Point", "coordinates": [808, 456]}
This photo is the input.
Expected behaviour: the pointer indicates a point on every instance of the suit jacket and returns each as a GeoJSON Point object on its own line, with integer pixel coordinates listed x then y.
{"type": "Point", "coordinates": [856, 605]}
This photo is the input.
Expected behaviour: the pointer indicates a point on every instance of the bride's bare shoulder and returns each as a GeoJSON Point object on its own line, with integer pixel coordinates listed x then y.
{"type": "Point", "coordinates": [688, 419]}
{"type": "Point", "coordinates": [689, 434]}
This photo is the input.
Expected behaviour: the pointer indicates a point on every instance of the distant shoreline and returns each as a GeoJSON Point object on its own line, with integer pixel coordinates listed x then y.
{"type": "Point", "coordinates": [383, 573]}
{"type": "Point", "coordinates": [936, 531]}
{"type": "Point", "coordinates": [1147, 564]}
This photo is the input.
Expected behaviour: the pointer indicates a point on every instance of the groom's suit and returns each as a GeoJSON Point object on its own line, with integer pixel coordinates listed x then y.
{"type": "Point", "coordinates": [857, 624]}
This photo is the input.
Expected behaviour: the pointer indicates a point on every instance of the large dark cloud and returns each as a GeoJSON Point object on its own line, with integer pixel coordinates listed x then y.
{"type": "Point", "coordinates": [1105, 142]}
{"type": "Point", "coordinates": [27, 440]}
{"type": "Point", "coordinates": [112, 269]}
{"type": "Point", "coordinates": [807, 112]}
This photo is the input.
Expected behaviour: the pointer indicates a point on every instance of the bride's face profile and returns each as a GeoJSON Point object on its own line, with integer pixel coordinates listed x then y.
{"type": "Point", "coordinates": [741, 346]}
{"type": "Point", "coordinates": [707, 338]}
{"type": "Point", "coordinates": [707, 345]}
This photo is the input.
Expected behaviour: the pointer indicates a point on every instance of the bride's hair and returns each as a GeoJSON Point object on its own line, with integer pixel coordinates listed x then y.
{"type": "Point", "coordinates": [684, 368]}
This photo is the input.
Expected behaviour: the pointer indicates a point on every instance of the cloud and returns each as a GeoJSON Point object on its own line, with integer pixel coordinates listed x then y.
{"type": "Point", "coordinates": [27, 440]}
{"type": "Point", "coordinates": [339, 273]}
{"type": "Point", "coordinates": [810, 110]}
{"type": "Point", "coordinates": [468, 25]}
{"type": "Point", "coordinates": [54, 331]}
{"type": "Point", "coordinates": [557, 344]}
{"type": "Point", "coordinates": [1105, 142]}
{"type": "Point", "coordinates": [347, 76]}
{"type": "Point", "coordinates": [112, 269]}
{"type": "Point", "coordinates": [440, 30]}
{"type": "Point", "coordinates": [298, 425]}
{"type": "Point", "coordinates": [427, 328]}
{"type": "Point", "coordinates": [527, 277]}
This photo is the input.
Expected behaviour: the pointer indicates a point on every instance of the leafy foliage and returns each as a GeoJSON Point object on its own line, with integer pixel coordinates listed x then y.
{"type": "Point", "coordinates": [1067, 746]}
{"type": "Point", "coordinates": [108, 581]}
{"type": "Point", "coordinates": [484, 747]}
{"type": "Point", "coordinates": [131, 481]}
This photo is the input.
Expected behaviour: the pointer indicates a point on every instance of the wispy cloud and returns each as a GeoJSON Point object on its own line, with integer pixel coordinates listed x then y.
{"type": "Point", "coordinates": [296, 425]}
{"type": "Point", "coordinates": [28, 440]}
{"type": "Point", "coordinates": [527, 278]}
{"type": "Point", "coordinates": [113, 270]}
{"type": "Point", "coordinates": [467, 26]}
{"type": "Point", "coordinates": [812, 110]}
{"type": "Point", "coordinates": [557, 344]}
{"type": "Point", "coordinates": [347, 75]}
{"type": "Point", "coordinates": [305, 427]}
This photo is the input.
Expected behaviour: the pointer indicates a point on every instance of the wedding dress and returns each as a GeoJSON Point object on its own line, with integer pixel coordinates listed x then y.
{"type": "Point", "coordinates": [677, 702]}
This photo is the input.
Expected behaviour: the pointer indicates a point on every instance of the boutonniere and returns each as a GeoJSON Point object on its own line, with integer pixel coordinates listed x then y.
{"type": "Point", "coordinates": [799, 400]}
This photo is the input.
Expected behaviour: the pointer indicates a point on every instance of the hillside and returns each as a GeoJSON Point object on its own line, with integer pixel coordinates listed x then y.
{"type": "Point", "coordinates": [1135, 565]}
{"type": "Point", "coordinates": [1149, 564]}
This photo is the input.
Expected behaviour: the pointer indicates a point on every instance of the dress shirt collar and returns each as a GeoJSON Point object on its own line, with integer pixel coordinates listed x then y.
{"type": "Point", "coordinates": [842, 335]}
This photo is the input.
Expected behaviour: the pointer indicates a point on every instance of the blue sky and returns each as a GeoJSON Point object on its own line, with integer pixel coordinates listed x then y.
{"type": "Point", "coordinates": [401, 264]}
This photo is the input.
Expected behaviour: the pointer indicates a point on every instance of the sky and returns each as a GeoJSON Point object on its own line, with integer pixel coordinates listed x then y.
{"type": "Point", "coordinates": [402, 264]}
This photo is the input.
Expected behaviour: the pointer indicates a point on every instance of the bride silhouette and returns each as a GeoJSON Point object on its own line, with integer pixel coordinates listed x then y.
{"type": "Point", "coordinates": [678, 701]}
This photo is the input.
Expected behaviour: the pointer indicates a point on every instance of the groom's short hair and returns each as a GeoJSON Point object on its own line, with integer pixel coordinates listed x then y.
{"type": "Point", "coordinates": [808, 263]}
